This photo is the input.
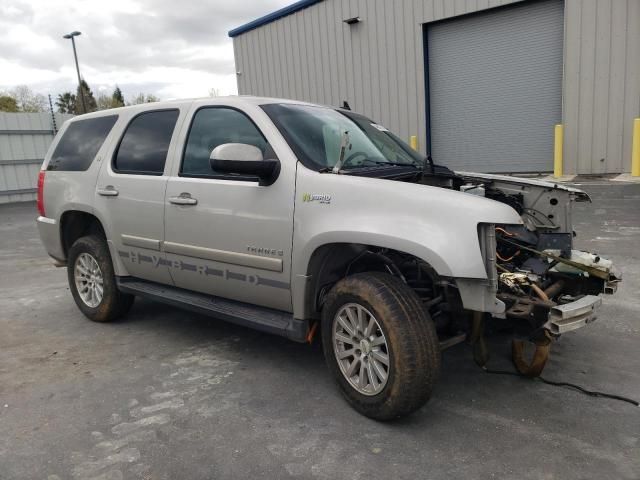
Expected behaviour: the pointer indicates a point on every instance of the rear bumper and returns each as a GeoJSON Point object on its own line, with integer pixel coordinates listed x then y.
{"type": "Point", "coordinates": [49, 231]}
{"type": "Point", "coordinates": [574, 315]}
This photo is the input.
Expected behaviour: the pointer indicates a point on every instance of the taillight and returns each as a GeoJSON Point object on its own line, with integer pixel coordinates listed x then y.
{"type": "Point", "coordinates": [41, 192]}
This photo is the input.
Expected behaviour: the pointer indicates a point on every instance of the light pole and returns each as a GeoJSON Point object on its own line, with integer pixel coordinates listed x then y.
{"type": "Point", "coordinates": [75, 56]}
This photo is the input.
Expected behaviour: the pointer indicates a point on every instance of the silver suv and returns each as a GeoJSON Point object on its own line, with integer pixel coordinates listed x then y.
{"type": "Point", "coordinates": [295, 219]}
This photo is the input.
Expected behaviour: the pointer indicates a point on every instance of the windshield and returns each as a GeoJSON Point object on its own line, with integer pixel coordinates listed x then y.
{"type": "Point", "coordinates": [315, 134]}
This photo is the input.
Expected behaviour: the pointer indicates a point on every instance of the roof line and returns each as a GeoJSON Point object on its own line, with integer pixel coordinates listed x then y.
{"type": "Point", "coordinates": [272, 17]}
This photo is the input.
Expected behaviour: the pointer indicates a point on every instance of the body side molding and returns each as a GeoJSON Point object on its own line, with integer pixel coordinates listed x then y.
{"type": "Point", "coordinates": [224, 256]}
{"type": "Point", "coordinates": [140, 242]}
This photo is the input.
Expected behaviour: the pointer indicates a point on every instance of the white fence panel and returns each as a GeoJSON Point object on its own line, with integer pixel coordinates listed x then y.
{"type": "Point", "coordinates": [24, 140]}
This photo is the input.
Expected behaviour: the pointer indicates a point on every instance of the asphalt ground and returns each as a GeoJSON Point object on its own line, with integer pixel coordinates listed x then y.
{"type": "Point", "coordinates": [166, 394]}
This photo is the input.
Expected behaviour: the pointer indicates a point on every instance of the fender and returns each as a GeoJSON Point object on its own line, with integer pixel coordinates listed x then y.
{"type": "Point", "coordinates": [436, 225]}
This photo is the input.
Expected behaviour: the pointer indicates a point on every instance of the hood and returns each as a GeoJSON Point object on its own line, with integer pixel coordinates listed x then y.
{"type": "Point", "coordinates": [579, 195]}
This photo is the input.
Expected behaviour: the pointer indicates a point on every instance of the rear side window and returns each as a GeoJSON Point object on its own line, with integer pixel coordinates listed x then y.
{"type": "Point", "coordinates": [80, 143]}
{"type": "Point", "coordinates": [144, 145]}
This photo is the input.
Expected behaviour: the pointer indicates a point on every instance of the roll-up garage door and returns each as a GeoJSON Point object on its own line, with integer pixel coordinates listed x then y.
{"type": "Point", "coordinates": [495, 88]}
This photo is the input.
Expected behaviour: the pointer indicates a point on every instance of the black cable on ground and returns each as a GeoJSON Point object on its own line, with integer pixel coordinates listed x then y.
{"type": "Point", "coordinates": [591, 393]}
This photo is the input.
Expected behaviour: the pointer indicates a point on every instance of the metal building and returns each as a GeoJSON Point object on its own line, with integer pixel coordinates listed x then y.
{"type": "Point", "coordinates": [481, 83]}
{"type": "Point", "coordinates": [24, 140]}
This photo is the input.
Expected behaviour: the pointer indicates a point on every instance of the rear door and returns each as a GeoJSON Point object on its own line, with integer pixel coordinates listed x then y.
{"type": "Point", "coordinates": [130, 193]}
{"type": "Point", "coordinates": [226, 235]}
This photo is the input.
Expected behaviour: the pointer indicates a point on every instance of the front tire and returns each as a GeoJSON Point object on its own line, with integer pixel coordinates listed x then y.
{"type": "Point", "coordinates": [380, 344]}
{"type": "Point", "coordinates": [92, 281]}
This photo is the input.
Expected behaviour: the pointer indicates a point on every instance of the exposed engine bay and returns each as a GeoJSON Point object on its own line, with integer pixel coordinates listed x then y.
{"type": "Point", "coordinates": [547, 286]}
{"type": "Point", "coordinates": [536, 262]}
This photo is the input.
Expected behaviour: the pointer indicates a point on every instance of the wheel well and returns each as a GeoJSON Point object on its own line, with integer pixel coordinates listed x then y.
{"type": "Point", "coordinates": [75, 224]}
{"type": "Point", "coordinates": [332, 262]}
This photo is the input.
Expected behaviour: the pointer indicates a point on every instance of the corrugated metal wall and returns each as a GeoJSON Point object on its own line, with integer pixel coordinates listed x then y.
{"type": "Point", "coordinates": [602, 84]}
{"type": "Point", "coordinates": [24, 140]}
{"type": "Point", "coordinates": [378, 66]}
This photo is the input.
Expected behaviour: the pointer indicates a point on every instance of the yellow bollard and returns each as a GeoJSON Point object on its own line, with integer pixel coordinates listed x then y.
{"type": "Point", "coordinates": [413, 141]}
{"type": "Point", "coordinates": [635, 149]}
{"type": "Point", "coordinates": [557, 151]}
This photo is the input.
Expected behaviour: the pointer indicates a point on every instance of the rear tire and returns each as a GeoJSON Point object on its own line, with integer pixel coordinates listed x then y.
{"type": "Point", "coordinates": [402, 333]}
{"type": "Point", "coordinates": [92, 281]}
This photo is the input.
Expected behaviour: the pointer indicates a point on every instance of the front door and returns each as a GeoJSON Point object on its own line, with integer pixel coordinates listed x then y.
{"type": "Point", "coordinates": [226, 235]}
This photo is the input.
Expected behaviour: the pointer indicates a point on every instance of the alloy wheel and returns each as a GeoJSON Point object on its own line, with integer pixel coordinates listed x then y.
{"type": "Point", "coordinates": [89, 280]}
{"type": "Point", "coordinates": [361, 349]}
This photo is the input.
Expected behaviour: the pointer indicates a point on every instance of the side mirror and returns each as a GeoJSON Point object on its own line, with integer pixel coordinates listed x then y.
{"type": "Point", "coordinates": [244, 159]}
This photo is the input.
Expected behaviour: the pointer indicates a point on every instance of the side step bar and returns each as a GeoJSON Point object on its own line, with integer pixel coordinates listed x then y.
{"type": "Point", "coordinates": [259, 318]}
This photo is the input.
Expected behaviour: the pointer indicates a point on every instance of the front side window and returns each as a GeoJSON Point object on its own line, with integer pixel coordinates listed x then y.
{"type": "Point", "coordinates": [316, 134]}
{"type": "Point", "coordinates": [144, 145]}
{"type": "Point", "coordinates": [213, 126]}
{"type": "Point", "coordinates": [80, 143]}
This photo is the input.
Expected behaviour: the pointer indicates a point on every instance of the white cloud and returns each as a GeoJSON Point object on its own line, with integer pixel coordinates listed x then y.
{"type": "Point", "coordinates": [168, 48]}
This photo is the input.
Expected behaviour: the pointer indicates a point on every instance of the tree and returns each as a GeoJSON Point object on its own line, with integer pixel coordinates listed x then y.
{"type": "Point", "coordinates": [137, 99]}
{"type": "Point", "coordinates": [142, 98]}
{"type": "Point", "coordinates": [89, 99]}
{"type": "Point", "coordinates": [27, 100]}
{"type": "Point", "coordinates": [66, 103]}
{"type": "Point", "coordinates": [104, 102]}
{"type": "Point", "coordinates": [214, 92]}
{"type": "Point", "coordinates": [115, 100]}
{"type": "Point", "coordinates": [117, 97]}
{"type": "Point", "coordinates": [8, 103]}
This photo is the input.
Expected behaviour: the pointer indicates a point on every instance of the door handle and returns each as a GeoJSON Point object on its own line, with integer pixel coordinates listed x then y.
{"type": "Point", "coordinates": [108, 191]}
{"type": "Point", "coordinates": [183, 199]}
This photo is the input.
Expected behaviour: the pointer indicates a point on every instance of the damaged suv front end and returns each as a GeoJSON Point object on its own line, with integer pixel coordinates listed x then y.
{"type": "Point", "coordinates": [470, 246]}
{"type": "Point", "coordinates": [543, 286]}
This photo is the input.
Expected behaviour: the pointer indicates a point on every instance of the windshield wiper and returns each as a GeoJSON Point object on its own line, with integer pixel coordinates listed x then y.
{"type": "Point", "coordinates": [367, 162]}
{"type": "Point", "coordinates": [391, 164]}
{"type": "Point", "coordinates": [399, 164]}
{"type": "Point", "coordinates": [373, 163]}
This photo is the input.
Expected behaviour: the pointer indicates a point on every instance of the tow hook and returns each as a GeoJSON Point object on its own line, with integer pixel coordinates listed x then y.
{"type": "Point", "coordinates": [539, 358]}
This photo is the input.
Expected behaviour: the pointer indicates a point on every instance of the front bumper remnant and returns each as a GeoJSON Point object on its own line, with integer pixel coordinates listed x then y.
{"type": "Point", "coordinates": [574, 315]}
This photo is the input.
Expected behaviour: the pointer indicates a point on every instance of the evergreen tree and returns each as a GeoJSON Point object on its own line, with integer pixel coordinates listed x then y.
{"type": "Point", "coordinates": [89, 99]}
{"type": "Point", "coordinates": [66, 103]}
{"type": "Point", "coordinates": [117, 98]}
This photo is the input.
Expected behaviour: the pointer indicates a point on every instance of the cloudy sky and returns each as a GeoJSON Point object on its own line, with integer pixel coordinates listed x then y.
{"type": "Point", "coordinates": [171, 48]}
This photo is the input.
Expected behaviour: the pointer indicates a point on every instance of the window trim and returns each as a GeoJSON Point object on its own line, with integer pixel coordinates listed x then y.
{"type": "Point", "coordinates": [217, 176]}
{"type": "Point", "coordinates": [104, 141]}
{"type": "Point", "coordinates": [124, 132]}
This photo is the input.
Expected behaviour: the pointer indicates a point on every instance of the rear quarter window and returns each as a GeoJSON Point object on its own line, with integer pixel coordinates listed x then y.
{"type": "Point", "coordinates": [80, 143]}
